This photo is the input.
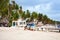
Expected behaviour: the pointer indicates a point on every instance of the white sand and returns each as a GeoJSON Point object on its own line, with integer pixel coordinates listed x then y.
{"type": "Point", "coordinates": [18, 34]}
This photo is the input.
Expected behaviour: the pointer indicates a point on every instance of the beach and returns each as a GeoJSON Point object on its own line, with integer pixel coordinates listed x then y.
{"type": "Point", "coordinates": [7, 33]}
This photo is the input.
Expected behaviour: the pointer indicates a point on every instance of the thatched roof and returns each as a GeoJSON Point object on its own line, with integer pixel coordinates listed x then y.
{"type": "Point", "coordinates": [4, 20]}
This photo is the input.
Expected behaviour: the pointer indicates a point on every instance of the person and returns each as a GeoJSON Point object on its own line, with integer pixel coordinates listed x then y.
{"type": "Point", "coordinates": [42, 29]}
{"type": "Point", "coordinates": [25, 27]}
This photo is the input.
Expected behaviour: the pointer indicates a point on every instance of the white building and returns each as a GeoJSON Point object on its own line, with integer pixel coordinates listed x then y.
{"type": "Point", "coordinates": [19, 23]}
{"type": "Point", "coordinates": [46, 27]}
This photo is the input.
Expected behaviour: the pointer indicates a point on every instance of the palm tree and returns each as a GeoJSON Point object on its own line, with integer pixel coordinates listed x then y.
{"type": "Point", "coordinates": [23, 15]}
{"type": "Point", "coordinates": [34, 14]}
{"type": "Point", "coordinates": [27, 14]}
{"type": "Point", "coordinates": [20, 11]}
{"type": "Point", "coordinates": [4, 7]}
{"type": "Point", "coordinates": [45, 19]}
{"type": "Point", "coordinates": [40, 17]}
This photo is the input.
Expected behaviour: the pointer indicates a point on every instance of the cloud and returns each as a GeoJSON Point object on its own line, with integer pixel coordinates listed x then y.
{"type": "Point", "coordinates": [43, 8]}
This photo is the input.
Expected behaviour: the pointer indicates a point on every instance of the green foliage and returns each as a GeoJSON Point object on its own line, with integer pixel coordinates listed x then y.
{"type": "Point", "coordinates": [27, 14]}
{"type": "Point", "coordinates": [3, 4]}
{"type": "Point", "coordinates": [4, 7]}
{"type": "Point", "coordinates": [20, 11]}
{"type": "Point", "coordinates": [40, 16]}
{"type": "Point", "coordinates": [17, 7]}
{"type": "Point", "coordinates": [15, 16]}
{"type": "Point", "coordinates": [23, 16]}
{"type": "Point", "coordinates": [34, 15]}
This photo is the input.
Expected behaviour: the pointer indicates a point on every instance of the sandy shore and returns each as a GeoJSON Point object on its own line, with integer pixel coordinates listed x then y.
{"type": "Point", "coordinates": [18, 34]}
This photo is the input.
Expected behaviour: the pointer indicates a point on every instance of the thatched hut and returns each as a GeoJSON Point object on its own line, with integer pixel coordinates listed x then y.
{"type": "Point", "coordinates": [4, 22]}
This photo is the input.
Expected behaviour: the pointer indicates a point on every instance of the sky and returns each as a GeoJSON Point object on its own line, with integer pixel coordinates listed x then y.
{"type": "Point", "coordinates": [51, 8]}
